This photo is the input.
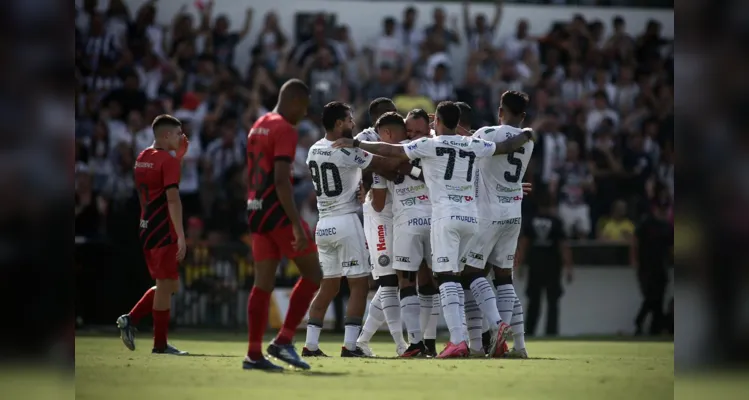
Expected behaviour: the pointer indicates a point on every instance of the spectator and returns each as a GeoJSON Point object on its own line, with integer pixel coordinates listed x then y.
{"type": "Point", "coordinates": [225, 152]}
{"type": "Point", "coordinates": [439, 34]}
{"type": "Point", "coordinates": [479, 35]}
{"type": "Point", "coordinates": [271, 41]}
{"type": "Point", "coordinates": [478, 95]}
{"type": "Point", "coordinates": [411, 36]}
{"type": "Point", "coordinates": [99, 161]}
{"type": "Point", "coordinates": [439, 87]}
{"type": "Point", "coordinates": [600, 113]}
{"type": "Point", "coordinates": [617, 227]}
{"type": "Point", "coordinates": [606, 169]}
{"type": "Point", "coordinates": [388, 47]}
{"type": "Point", "coordinates": [141, 134]}
{"type": "Point", "coordinates": [601, 82]}
{"type": "Point", "coordinates": [572, 184]}
{"type": "Point", "coordinates": [514, 46]}
{"type": "Point", "coordinates": [100, 45]}
{"type": "Point", "coordinates": [638, 165]}
{"type": "Point", "coordinates": [144, 33]}
{"type": "Point", "coordinates": [573, 88]}
{"type": "Point", "coordinates": [384, 85]}
{"type": "Point", "coordinates": [88, 206]}
{"type": "Point", "coordinates": [150, 76]}
{"type": "Point", "coordinates": [325, 77]}
{"type": "Point", "coordinates": [412, 98]}
{"type": "Point", "coordinates": [311, 48]}
{"type": "Point", "coordinates": [189, 185]}
{"type": "Point", "coordinates": [551, 147]}
{"type": "Point", "coordinates": [626, 90]}
{"type": "Point", "coordinates": [130, 96]}
{"type": "Point", "coordinates": [223, 43]}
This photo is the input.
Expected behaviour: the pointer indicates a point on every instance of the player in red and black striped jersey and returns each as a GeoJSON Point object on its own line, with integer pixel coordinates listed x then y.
{"type": "Point", "coordinates": [162, 236]}
{"type": "Point", "coordinates": [276, 227]}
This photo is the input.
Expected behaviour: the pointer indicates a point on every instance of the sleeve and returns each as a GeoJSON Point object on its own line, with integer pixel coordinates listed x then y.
{"type": "Point", "coordinates": [354, 158]}
{"type": "Point", "coordinates": [284, 144]}
{"type": "Point", "coordinates": [170, 173]}
{"type": "Point", "coordinates": [378, 182]}
{"type": "Point", "coordinates": [419, 149]}
{"type": "Point", "coordinates": [483, 148]}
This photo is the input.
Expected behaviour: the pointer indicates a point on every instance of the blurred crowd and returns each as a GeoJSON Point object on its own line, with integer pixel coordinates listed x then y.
{"type": "Point", "coordinates": [601, 103]}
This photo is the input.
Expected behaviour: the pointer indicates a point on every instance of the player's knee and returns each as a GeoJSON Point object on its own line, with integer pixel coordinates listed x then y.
{"type": "Point", "coordinates": [407, 291]}
{"type": "Point", "coordinates": [329, 288]}
{"type": "Point", "coordinates": [407, 279]}
{"type": "Point", "coordinates": [443, 278]}
{"type": "Point", "coordinates": [358, 285]}
{"type": "Point", "coordinates": [313, 275]}
{"type": "Point", "coordinates": [427, 289]}
{"type": "Point", "coordinates": [389, 281]}
{"type": "Point", "coordinates": [470, 275]}
{"type": "Point", "coordinates": [502, 277]}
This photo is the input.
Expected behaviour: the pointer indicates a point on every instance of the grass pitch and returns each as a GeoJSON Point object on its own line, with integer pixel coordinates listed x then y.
{"type": "Point", "coordinates": [558, 369]}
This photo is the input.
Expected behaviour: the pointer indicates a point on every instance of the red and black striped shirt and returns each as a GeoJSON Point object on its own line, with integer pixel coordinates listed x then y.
{"type": "Point", "coordinates": [271, 139]}
{"type": "Point", "coordinates": [156, 171]}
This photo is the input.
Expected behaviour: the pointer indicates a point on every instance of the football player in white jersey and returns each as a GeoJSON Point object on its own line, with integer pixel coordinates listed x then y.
{"type": "Point", "coordinates": [500, 197]}
{"type": "Point", "coordinates": [378, 230]}
{"type": "Point", "coordinates": [448, 165]}
{"type": "Point", "coordinates": [336, 174]}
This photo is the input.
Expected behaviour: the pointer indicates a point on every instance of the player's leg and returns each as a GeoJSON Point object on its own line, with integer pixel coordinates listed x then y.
{"type": "Point", "coordinates": [375, 319]}
{"type": "Point", "coordinates": [382, 259]}
{"type": "Point", "coordinates": [354, 250]}
{"type": "Point", "coordinates": [518, 332]}
{"type": "Point", "coordinates": [429, 300]}
{"type": "Point", "coordinates": [329, 287]}
{"type": "Point", "coordinates": [474, 321]}
{"type": "Point", "coordinates": [164, 271]}
{"type": "Point", "coordinates": [445, 240]}
{"type": "Point", "coordinates": [127, 322]}
{"type": "Point", "coordinates": [409, 252]}
{"type": "Point", "coordinates": [502, 258]}
{"type": "Point", "coordinates": [267, 255]}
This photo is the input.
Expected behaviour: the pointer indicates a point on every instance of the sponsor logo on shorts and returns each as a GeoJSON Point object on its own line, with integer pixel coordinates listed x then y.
{"type": "Point", "coordinates": [410, 189]}
{"type": "Point", "coordinates": [254, 204]}
{"type": "Point", "coordinates": [508, 199]}
{"type": "Point", "coordinates": [144, 224]}
{"type": "Point", "coordinates": [443, 260]}
{"type": "Point", "coordinates": [419, 221]}
{"type": "Point", "coordinates": [349, 264]}
{"type": "Point", "coordinates": [325, 232]}
{"type": "Point", "coordinates": [459, 188]}
{"type": "Point", "coordinates": [476, 256]}
{"type": "Point", "coordinates": [402, 259]}
{"type": "Point", "coordinates": [511, 221]}
{"type": "Point", "coordinates": [470, 220]}
{"type": "Point", "coordinates": [321, 152]}
{"type": "Point", "coordinates": [381, 245]}
{"type": "Point", "coordinates": [501, 188]}
{"type": "Point", "coordinates": [383, 260]}
{"type": "Point", "coordinates": [511, 257]}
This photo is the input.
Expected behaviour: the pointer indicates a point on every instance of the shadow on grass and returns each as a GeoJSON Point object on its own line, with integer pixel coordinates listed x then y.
{"type": "Point", "coordinates": [213, 355]}
{"type": "Point", "coordinates": [463, 359]}
{"type": "Point", "coordinates": [321, 374]}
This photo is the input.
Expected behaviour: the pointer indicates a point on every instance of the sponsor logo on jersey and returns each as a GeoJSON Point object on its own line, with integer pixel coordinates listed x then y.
{"type": "Point", "coordinates": [402, 259]}
{"type": "Point", "coordinates": [419, 221]}
{"type": "Point", "coordinates": [511, 221]}
{"type": "Point", "coordinates": [412, 146]}
{"type": "Point", "coordinates": [411, 201]}
{"type": "Point", "coordinates": [349, 264]}
{"type": "Point", "coordinates": [144, 224]}
{"type": "Point", "coordinates": [381, 245]}
{"type": "Point", "coordinates": [321, 152]}
{"type": "Point", "coordinates": [359, 160]}
{"type": "Point", "coordinates": [452, 143]}
{"type": "Point", "coordinates": [443, 260]}
{"type": "Point", "coordinates": [476, 256]}
{"type": "Point", "coordinates": [509, 199]}
{"type": "Point", "coordinates": [410, 189]}
{"type": "Point", "coordinates": [475, 141]}
{"type": "Point", "coordinates": [488, 144]}
{"type": "Point", "coordinates": [141, 164]}
{"type": "Point", "coordinates": [346, 152]}
{"type": "Point", "coordinates": [254, 204]}
{"type": "Point", "coordinates": [455, 198]}
{"type": "Point", "coordinates": [459, 188]}
{"type": "Point", "coordinates": [259, 131]}
{"type": "Point", "coordinates": [383, 260]}
{"type": "Point", "coordinates": [501, 188]}
{"type": "Point", "coordinates": [462, 218]}
{"type": "Point", "coordinates": [325, 232]}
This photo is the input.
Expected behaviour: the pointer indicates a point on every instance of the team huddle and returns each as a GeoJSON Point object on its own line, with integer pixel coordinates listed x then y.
{"type": "Point", "coordinates": [442, 211]}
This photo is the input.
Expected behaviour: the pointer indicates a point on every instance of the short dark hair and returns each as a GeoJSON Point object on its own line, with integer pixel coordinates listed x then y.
{"type": "Point", "coordinates": [449, 114]}
{"type": "Point", "coordinates": [466, 113]}
{"type": "Point", "coordinates": [293, 88]}
{"type": "Point", "coordinates": [418, 113]}
{"type": "Point", "coordinates": [165, 121]}
{"type": "Point", "coordinates": [380, 106]}
{"type": "Point", "coordinates": [514, 101]}
{"type": "Point", "coordinates": [334, 111]}
{"type": "Point", "coordinates": [388, 119]}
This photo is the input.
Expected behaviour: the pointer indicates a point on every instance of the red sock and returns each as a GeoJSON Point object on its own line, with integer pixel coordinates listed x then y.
{"type": "Point", "coordinates": [160, 328]}
{"type": "Point", "coordinates": [257, 320]}
{"type": "Point", "coordinates": [143, 307]}
{"type": "Point", "coordinates": [299, 302]}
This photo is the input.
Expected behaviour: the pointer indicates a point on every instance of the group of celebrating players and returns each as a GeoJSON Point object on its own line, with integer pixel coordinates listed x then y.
{"type": "Point", "coordinates": [442, 215]}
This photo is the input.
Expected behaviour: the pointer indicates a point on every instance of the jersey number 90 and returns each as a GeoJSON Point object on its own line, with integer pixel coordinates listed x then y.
{"type": "Point", "coordinates": [320, 179]}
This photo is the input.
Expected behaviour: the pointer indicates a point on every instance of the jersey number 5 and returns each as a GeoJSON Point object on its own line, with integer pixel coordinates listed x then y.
{"type": "Point", "coordinates": [518, 163]}
{"type": "Point", "coordinates": [450, 152]}
{"type": "Point", "coordinates": [320, 178]}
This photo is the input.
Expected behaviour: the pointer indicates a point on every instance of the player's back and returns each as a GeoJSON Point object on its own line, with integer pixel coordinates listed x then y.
{"type": "Point", "coordinates": [155, 171]}
{"type": "Point", "coordinates": [501, 176]}
{"type": "Point", "coordinates": [336, 175]}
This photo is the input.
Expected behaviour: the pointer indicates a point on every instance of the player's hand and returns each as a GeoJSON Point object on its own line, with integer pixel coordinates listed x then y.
{"type": "Point", "coordinates": [181, 249]}
{"type": "Point", "coordinates": [527, 188]}
{"type": "Point", "coordinates": [343, 143]}
{"type": "Point", "coordinates": [184, 144]}
{"type": "Point", "coordinates": [300, 238]}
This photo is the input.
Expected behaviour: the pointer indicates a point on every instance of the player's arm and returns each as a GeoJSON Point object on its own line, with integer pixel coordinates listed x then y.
{"type": "Point", "coordinates": [377, 148]}
{"type": "Point", "coordinates": [284, 151]}
{"type": "Point", "coordinates": [513, 143]}
{"type": "Point", "coordinates": [379, 192]}
{"type": "Point", "coordinates": [170, 175]}
{"type": "Point", "coordinates": [387, 168]}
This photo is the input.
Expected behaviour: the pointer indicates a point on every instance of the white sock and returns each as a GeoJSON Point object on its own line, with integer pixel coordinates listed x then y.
{"type": "Point", "coordinates": [375, 319]}
{"type": "Point", "coordinates": [484, 325]}
{"type": "Point", "coordinates": [391, 306]}
{"type": "Point", "coordinates": [462, 301]}
{"type": "Point", "coordinates": [313, 336]}
{"type": "Point", "coordinates": [451, 309]}
{"type": "Point", "coordinates": [425, 310]}
{"type": "Point", "coordinates": [506, 301]}
{"type": "Point", "coordinates": [410, 310]}
{"type": "Point", "coordinates": [430, 332]}
{"type": "Point", "coordinates": [474, 320]}
{"type": "Point", "coordinates": [518, 326]}
{"type": "Point", "coordinates": [350, 333]}
{"type": "Point", "coordinates": [484, 295]}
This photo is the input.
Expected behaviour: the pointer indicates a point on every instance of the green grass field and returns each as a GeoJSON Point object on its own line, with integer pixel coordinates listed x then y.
{"type": "Point", "coordinates": [558, 369]}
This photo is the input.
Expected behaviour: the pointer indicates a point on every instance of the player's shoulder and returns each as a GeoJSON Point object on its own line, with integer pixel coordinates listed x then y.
{"type": "Point", "coordinates": [321, 147]}
{"type": "Point", "coordinates": [369, 135]}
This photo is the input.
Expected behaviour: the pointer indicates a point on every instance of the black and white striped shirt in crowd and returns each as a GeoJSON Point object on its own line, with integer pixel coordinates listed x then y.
{"type": "Point", "coordinates": [98, 84]}
{"type": "Point", "coordinates": [100, 48]}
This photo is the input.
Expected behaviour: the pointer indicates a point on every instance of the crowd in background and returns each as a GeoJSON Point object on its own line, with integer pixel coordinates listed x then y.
{"type": "Point", "coordinates": [601, 104]}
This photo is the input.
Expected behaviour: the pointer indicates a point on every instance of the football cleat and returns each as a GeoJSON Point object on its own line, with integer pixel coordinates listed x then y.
{"type": "Point", "coordinates": [431, 347]}
{"type": "Point", "coordinates": [358, 352]}
{"type": "Point", "coordinates": [364, 346]}
{"type": "Point", "coordinates": [312, 353]}
{"type": "Point", "coordinates": [286, 353]}
{"type": "Point", "coordinates": [415, 350]}
{"type": "Point", "coordinates": [262, 364]}
{"type": "Point", "coordinates": [127, 331]}
{"type": "Point", "coordinates": [514, 353]}
{"type": "Point", "coordinates": [169, 349]}
{"type": "Point", "coordinates": [499, 344]}
{"type": "Point", "coordinates": [454, 350]}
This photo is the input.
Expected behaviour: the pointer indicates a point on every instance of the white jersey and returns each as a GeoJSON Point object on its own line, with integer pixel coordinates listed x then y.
{"type": "Point", "coordinates": [369, 135]}
{"type": "Point", "coordinates": [501, 178]}
{"type": "Point", "coordinates": [336, 174]}
{"type": "Point", "coordinates": [449, 166]}
{"type": "Point", "coordinates": [410, 196]}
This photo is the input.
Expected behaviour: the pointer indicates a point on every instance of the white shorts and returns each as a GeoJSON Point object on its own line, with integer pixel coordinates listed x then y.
{"type": "Point", "coordinates": [341, 247]}
{"type": "Point", "coordinates": [379, 233]}
{"type": "Point", "coordinates": [412, 244]}
{"type": "Point", "coordinates": [450, 238]}
{"type": "Point", "coordinates": [495, 243]}
{"type": "Point", "coordinates": [575, 218]}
